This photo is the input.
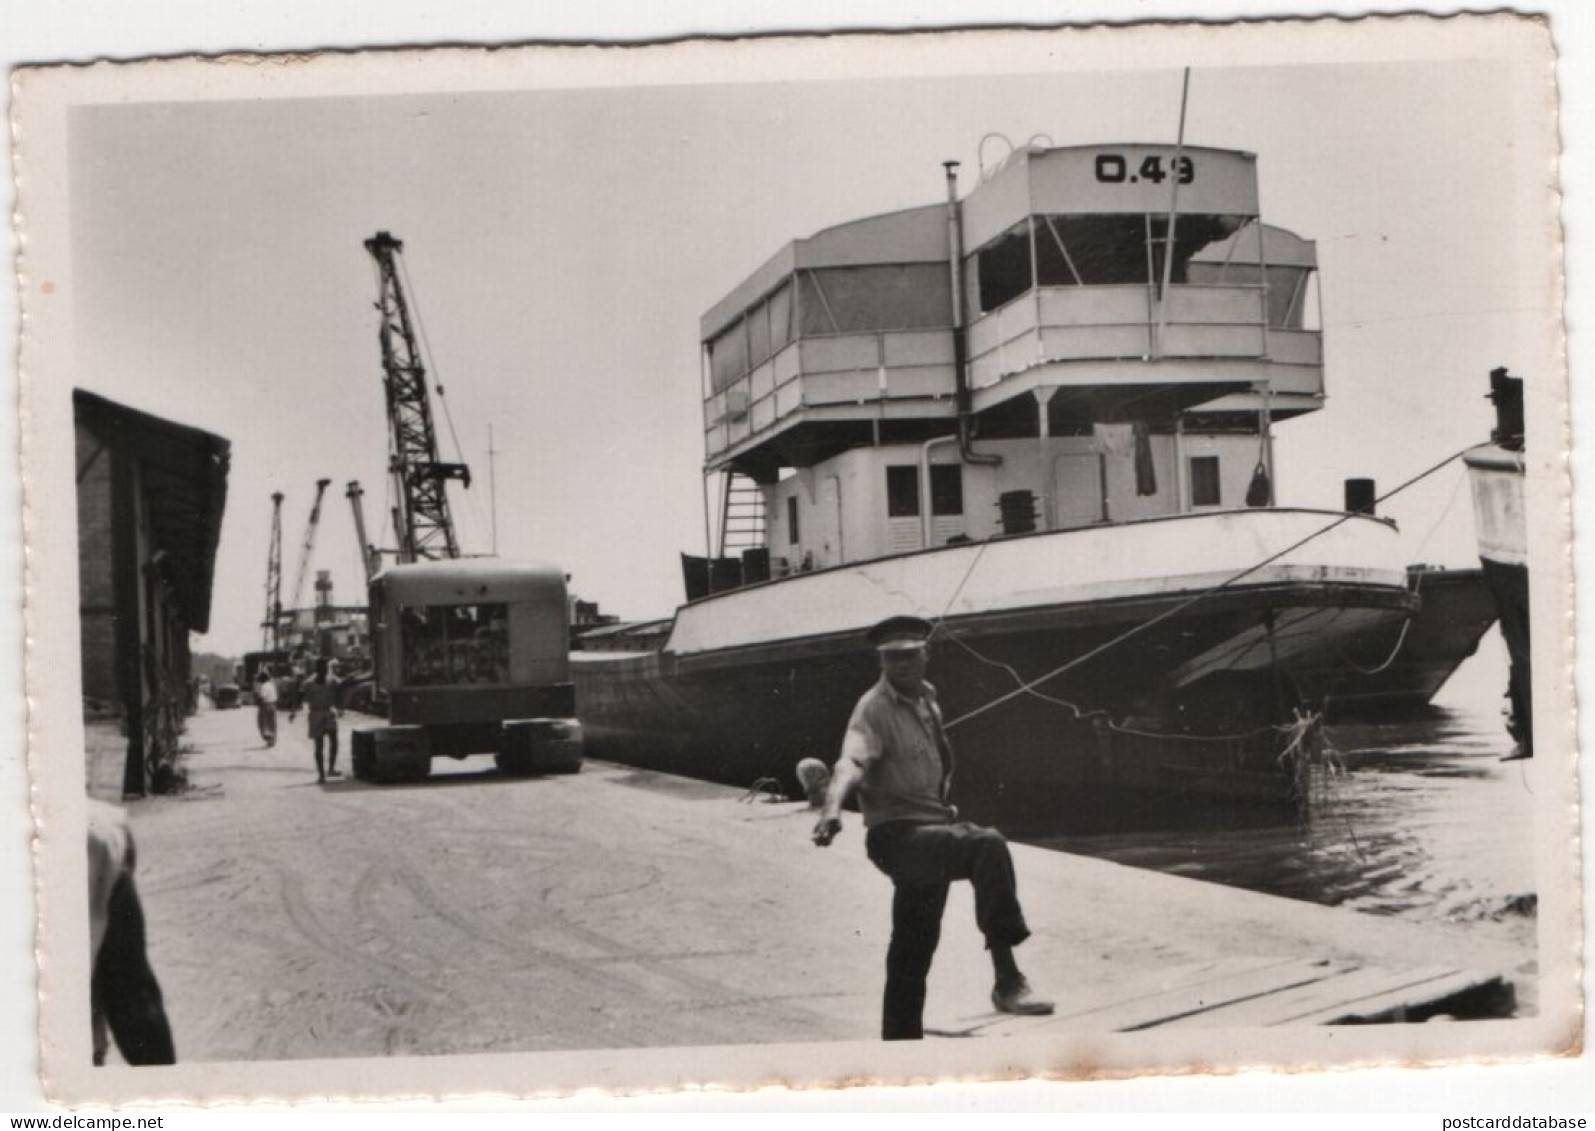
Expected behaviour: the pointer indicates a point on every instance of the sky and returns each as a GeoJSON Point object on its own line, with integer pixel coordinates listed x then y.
{"type": "Point", "coordinates": [562, 245]}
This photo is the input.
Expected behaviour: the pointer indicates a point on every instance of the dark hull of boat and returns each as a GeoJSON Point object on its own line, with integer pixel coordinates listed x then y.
{"type": "Point", "coordinates": [1509, 585]}
{"type": "Point", "coordinates": [1150, 715]}
{"type": "Point", "coordinates": [1393, 670]}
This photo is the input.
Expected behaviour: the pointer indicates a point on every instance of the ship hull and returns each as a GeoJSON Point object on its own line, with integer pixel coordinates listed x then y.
{"type": "Point", "coordinates": [1395, 669]}
{"type": "Point", "coordinates": [1496, 474]}
{"type": "Point", "coordinates": [1174, 682]}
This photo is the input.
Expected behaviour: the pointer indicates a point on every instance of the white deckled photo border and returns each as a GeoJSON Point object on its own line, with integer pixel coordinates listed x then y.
{"type": "Point", "coordinates": [51, 279]}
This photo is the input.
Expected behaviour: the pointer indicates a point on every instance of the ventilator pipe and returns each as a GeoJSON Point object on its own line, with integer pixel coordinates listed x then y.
{"type": "Point", "coordinates": [955, 264]}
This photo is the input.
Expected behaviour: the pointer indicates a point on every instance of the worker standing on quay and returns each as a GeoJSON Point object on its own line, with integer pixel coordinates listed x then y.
{"type": "Point", "coordinates": [266, 705]}
{"type": "Point", "coordinates": [897, 756]}
{"type": "Point", "coordinates": [323, 702]}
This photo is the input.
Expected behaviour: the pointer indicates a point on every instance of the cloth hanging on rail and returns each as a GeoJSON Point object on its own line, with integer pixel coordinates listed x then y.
{"type": "Point", "coordinates": [1145, 469]}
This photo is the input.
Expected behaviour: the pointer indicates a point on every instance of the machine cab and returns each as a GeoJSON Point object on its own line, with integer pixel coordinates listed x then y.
{"type": "Point", "coordinates": [464, 639]}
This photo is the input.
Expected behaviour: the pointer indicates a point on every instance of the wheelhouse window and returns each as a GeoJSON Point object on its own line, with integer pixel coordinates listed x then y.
{"type": "Point", "coordinates": [454, 644]}
{"type": "Point", "coordinates": [851, 300]}
{"type": "Point", "coordinates": [762, 331]}
{"type": "Point", "coordinates": [1094, 250]}
{"type": "Point", "coordinates": [1204, 482]}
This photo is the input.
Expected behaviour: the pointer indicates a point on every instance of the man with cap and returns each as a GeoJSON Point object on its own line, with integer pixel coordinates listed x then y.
{"type": "Point", "coordinates": [896, 755]}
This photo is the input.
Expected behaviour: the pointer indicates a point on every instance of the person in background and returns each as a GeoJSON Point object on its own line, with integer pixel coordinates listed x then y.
{"type": "Point", "coordinates": [323, 703]}
{"type": "Point", "coordinates": [266, 705]}
{"type": "Point", "coordinates": [896, 755]}
{"type": "Point", "coordinates": [124, 995]}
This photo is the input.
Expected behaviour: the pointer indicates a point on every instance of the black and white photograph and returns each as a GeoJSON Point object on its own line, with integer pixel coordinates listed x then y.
{"type": "Point", "coordinates": [729, 563]}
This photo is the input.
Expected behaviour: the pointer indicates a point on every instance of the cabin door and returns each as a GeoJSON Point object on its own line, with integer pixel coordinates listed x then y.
{"type": "Point", "coordinates": [832, 551]}
{"type": "Point", "coordinates": [1076, 489]}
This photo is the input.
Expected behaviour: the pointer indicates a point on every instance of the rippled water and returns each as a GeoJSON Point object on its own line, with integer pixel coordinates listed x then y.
{"type": "Point", "coordinates": [1426, 822]}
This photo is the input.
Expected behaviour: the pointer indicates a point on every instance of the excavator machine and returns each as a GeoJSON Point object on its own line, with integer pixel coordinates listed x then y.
{"type": "Point", "coordinates": [472, 654]}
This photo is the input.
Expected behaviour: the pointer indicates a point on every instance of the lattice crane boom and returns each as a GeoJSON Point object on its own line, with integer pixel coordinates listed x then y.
{"type": "Point", "coordinates": [309, 545]}
{"type": "Point", "coordinates": [271, 623]}
{"type": "Point", "coordinates": [369, 558]}
{"type": "Point", "coordinates": [425, 528]}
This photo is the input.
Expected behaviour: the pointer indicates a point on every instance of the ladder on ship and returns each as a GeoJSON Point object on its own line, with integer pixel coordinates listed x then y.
{"type": "Point", "coordinates": [742, 517]}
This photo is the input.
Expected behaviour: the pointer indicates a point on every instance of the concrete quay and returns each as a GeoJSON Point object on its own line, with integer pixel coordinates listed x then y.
{"type": "Point", "coordinates": [619, 908]}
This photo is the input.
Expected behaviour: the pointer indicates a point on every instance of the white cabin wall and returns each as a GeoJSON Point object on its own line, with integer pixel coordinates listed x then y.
{"type": "Point", "coordinates": [1124, 502]}
{"type": "Point", "coordinates": [863, 529]}
{"type": "Point", "coordinates": [1237, 456]}
{"type": "Point", "coordinates": [828, 531]}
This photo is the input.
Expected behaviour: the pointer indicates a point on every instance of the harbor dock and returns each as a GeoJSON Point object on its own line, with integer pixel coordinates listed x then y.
{"type": "Point", "coordinates": [621, 908]}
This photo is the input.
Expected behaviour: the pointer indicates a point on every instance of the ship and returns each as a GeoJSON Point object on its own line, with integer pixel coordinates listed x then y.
{"type": "Point", "coordinates": [1496, 472]}
{"type": "Point", "coordinates": [1395, 670]}
{"type": "Point", "coordinates": [1042, 416]}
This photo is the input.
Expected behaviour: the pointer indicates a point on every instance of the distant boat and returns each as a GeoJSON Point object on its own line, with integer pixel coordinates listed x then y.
{"type": "Point", "coordinates": [1496, 472]}
{"type": "Point", "coordinates": [1059, 447]}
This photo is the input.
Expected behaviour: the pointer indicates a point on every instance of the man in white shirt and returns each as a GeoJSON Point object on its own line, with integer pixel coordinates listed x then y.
{"type": "Point", "coordinates": [266, 704]}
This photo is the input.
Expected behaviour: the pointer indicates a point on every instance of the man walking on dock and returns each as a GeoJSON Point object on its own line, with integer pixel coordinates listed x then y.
{"type": "Point", "coordinates": [897, 756]}
{"type": "Point", "coordinates": [323, 700]}
{"type": "Point", "coordinates": [266, 705]}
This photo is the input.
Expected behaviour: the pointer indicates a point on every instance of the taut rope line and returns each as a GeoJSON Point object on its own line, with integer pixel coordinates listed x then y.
{"type": "Point", "coordinates": [1135, 630]}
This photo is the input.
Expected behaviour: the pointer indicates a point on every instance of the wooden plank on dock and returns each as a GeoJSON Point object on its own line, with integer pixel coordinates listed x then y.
{"type": "Point", "coordinates": [1182, 1001]}
{"type": "Point", "coordinates": [1116, 996]}
{"type": "Point", "coordinates": [1465, 993]}
{"type": "Point", "coordinates": [1338, 994]}
{"type": "Point", "coordinates": [1358, 994]}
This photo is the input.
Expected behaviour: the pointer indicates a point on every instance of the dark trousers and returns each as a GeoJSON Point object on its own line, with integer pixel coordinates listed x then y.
{"type": "Point", "coordinates": [123, 992]}
{"type": "Point", "coordinates": [327, 732]}
{"type": "Point", "coordinates": [922, 861]}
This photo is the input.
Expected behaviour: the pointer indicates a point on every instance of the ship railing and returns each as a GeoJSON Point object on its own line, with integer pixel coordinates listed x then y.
{"type": "Point", "coordinates": [830, 370]}
{"type": "Point", "coordinates": [1052, 323]}
{"type": "Point", "coordinates": [1114, 321]}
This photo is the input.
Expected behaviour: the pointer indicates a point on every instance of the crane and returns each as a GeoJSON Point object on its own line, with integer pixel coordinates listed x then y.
{"type": "Point", "coordinates": [472, 656]}
{"type": "Point", "coordinates": [309, 545]}
{"type": "Point", "coordinates": [370, 559]}
{"type": "Point", "coordinates": [425, 528]}
{"type": "Point", "coordinates": [271, 624]}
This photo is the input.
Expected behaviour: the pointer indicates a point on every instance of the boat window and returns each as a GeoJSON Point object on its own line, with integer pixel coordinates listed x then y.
{"type": "Point", "coordinates": [759, 334]}
{"type": "Point", "coordinates": [1003, 268]}
{"type": "Point", "coordinates": [454, 644]}
{"type": "Point", "coordinates": [1290, 272]}
{"type": "Point", "coordinates": [751, 340]}
{"type": "Point", "coordinates": [792, 519]}
{"type": "Point", "coordinates": [902, 491]}
{"type": "Point", "coordinates": [1204, 482]}
{"type": "Point", "coordinates": [728, 356]}
{"type": "Point", "coordinates": [1096, 250]}
{"type": "Point", "coordinates": [780, 304]}
{"type": "Point", "coordinates": [946, 489]}
{"type": "Point", "coordinates": [850, 300]}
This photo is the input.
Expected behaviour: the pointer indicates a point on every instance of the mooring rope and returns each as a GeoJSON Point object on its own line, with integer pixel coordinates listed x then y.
{"type": "Point", "coordinates": [1202, 595]}
{"type": "Point", "coordinates": [1417, 585]}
